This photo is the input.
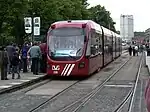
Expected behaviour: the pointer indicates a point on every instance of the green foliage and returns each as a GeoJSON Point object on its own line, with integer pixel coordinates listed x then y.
{"type": "Point", "coordinates": [12, 13]}
{"type": "Point", "coordinates": [139, 34]}
{"type": "Point", "coordinates": [12, 28]}
{"type": "Point", "coordinates": [102, 17]}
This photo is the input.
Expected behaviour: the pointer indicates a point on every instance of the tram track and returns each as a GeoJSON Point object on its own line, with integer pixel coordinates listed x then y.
{"type": "Point", "coordinates": [87, 98]}
{"type": "Point", "coordinates": [33, 93]}
{"type": "Point", "coordinates": [82, 100]}
{"type": "Point", "coordinates": [53, 97]}
{"type": "Point", "coordinates": [131, 95]}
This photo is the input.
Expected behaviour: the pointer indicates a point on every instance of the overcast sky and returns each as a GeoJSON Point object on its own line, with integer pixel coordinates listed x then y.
{"type": "Point", "coordinates": [140, 9]}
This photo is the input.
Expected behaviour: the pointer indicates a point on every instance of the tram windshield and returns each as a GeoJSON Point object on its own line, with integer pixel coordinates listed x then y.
{"type": "Point", "coordinates": [66, 43]}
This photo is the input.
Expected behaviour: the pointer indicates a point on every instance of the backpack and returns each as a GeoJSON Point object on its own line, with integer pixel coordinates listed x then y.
{"type": "Point", "coordinates": [24, 52]}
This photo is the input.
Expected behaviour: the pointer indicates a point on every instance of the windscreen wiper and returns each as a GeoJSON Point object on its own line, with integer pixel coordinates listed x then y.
{"type": "Point", "coordinates": [78, 50]}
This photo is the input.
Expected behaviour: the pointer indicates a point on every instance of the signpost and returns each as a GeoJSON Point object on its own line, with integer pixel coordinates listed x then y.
{"type": "Point", "coordinates": [36, 22]}
{"type": "Point", "coordinates": [32, 25]}
{"type": "Point", "coordinates": [28, 24]}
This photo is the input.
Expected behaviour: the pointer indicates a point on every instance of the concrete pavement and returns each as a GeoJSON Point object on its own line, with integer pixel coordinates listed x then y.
{"type": "Point", "coordinates": [13, 84]}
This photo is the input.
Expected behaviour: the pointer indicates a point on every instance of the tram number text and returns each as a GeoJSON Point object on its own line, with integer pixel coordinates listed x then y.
{"type": "Point", "coordinates": [55, 67]}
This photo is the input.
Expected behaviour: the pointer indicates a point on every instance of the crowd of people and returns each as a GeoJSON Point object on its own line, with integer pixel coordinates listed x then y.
{"type": "Point", "coordinates": [28, 57]}
{"type": "Point", "coordinates": [134, 50]}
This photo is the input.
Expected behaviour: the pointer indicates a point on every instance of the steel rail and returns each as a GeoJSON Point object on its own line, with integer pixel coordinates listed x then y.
{"type": "Point", "coordinates": [87, 97]}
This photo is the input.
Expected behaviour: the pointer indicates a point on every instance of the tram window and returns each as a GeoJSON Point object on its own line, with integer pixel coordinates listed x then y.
{"type": "Point", "coordinates": [100, 42]}
{"type": "Point", "coordinates": [110, 44]}
{"type": "Point", "coordinates": [94, 43]}
{"type": "Point", "coordinates": [105, 44]}
{"type": "Point", "coordinates": [63, 32]}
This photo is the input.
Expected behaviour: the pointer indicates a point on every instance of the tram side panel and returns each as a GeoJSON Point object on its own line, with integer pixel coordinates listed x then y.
{"type": "Point", "coordinates": [110, 48]}
{"type": "Point", "coordinates": [101, 49]}
{"type": "Point", "coordinates": [120, 46]}
{"type": "Point", "coordinates": [117, 47]}
{"type": "Point", "coordinates": [95, 60]}
{"type": "Point", "coordinates": [105, 50]}
{"type": "Point", "coordinates": [114, 46]}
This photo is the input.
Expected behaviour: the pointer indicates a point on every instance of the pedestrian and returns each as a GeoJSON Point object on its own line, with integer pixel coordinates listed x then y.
{"type": "Point", "coordinates": [24, 52]}
{"type": "Point", "coordinates": [16, 48]}
{"type": "Point", "coordinates": [3, 63]}
{"type": "Point", "coordinates": [15, 65]}
{"type": "Point", "coordinates": [10, 51]}
{"type": "Point", "coordinates": [43, 59]}
{"type": "Point", "coordinates": [141, 49]}
{"type": "Point", "coordinates": [134, 51]}
{"type": "Point", "coordinates": [35, 54]}
{"type": "Point", "coordinates": [130, 51]}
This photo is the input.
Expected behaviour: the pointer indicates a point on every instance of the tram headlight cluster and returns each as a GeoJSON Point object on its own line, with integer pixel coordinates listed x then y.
{"type": "Point", "coordinates": [81, 65]}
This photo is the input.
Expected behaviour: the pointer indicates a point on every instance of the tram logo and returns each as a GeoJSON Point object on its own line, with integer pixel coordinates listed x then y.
{"type": "Point", "coordinates": [55, 67]}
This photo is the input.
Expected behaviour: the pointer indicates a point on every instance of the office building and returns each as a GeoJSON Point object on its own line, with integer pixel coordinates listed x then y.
{"type": "Point", "coordinates": [127, 27]}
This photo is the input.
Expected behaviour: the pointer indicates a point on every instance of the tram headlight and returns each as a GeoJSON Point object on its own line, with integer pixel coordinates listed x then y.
{"type": "Point", "coordinates": [81, 65]}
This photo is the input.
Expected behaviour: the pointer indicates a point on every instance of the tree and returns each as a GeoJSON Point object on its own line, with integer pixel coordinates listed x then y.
{"type": "Point", "coordinates": [12, 15]}
{"type": "Point", "coordinates": [16, 20]}
{"type": "Point", "coordinates": [56, 10]}
{"type": "Point", "coordinates": [100, 15]}
{"type": "Point", "coordinates": [11, 20]}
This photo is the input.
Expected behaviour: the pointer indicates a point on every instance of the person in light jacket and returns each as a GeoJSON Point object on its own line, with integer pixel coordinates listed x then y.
{"type": "Point", "coordinates": [35, 54]}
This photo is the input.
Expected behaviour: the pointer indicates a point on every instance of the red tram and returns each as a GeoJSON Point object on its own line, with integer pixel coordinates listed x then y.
{"type": "Point", "coordinates": [80, 47]}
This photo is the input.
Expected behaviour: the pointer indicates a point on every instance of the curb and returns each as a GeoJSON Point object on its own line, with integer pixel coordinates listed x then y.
{"type": "Point", "coordinates": [21, 86]}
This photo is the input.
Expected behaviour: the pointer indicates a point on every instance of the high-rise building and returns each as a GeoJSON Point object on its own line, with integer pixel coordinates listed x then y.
{"type": "Point", "coordinates": [127, 27]}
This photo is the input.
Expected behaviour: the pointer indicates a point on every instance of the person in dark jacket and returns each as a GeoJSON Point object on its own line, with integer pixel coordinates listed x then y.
{"type": "Point", "coordinates": [24, 53]}
{"type": "Point", "coordinates": [3, 63]}
{"type": "Point", "coordinates": [130, 51]}
{"type": "Point", "coordinates": [134, 51]}
{"type": "Point", "coordinates": [10, 51]}
{"type": "Point", "coordinates": [43, 59]}
{"type": "Point", "coordinates": [15, 65]}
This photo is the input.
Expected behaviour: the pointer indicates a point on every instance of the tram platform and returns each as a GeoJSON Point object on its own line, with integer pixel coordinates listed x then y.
{"type": "Point", "coordinates": [14, 84]}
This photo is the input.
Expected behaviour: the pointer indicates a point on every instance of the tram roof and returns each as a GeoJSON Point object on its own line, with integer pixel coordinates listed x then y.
{"type": "Point", "coordinates": [92, 24]}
